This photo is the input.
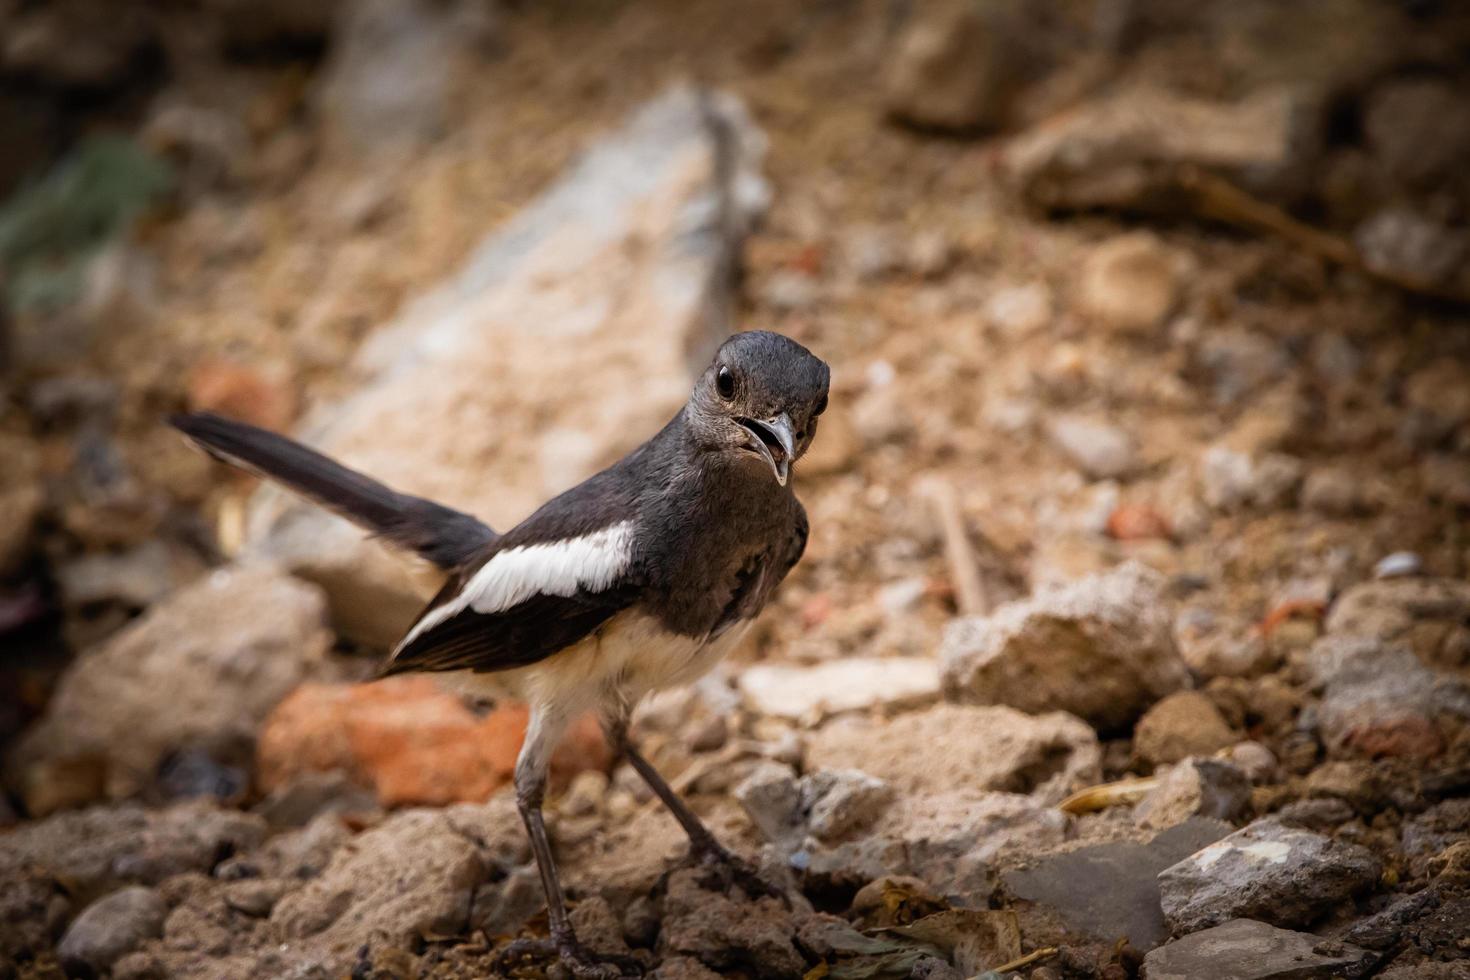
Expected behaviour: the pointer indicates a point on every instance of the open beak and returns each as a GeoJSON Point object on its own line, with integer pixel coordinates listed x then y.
{"type": "Point", "coordinates": [772, 438]}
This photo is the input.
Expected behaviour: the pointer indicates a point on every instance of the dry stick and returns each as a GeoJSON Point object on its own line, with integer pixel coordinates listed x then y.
{"type": "Point", "coordinates": [969, 588]}
{"type": "Point", "coordinates": [1217, 198]}
{"type": "Point", "coordinates": [1027, 960]}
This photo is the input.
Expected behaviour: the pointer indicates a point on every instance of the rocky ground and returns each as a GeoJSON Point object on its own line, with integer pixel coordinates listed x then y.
{"type": "Point", "coordinates": [1133, 637]}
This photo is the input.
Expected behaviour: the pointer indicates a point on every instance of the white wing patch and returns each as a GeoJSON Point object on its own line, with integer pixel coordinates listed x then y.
{"type": "Point", "coordinates": [592, 562]}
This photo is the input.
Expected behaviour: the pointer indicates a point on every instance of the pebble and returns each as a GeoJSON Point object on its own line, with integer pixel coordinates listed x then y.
{"type": "Point", "coordinates": [1183, 724]}
{"type": "Point", "coordinates": [111, 927]}
{"type": "Point", "coordinates": [1098, 448]}
{"type": "Point", "coordinates": [1195, 787]}
{"type": "Point", "coordinates": [1019, 311]}
{"type": "Point", "coordinates": [1130, 283]}
{"type": "Point", "coordinates": [1399, 564]}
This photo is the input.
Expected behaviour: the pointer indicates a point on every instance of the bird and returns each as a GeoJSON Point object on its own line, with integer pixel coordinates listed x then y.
{"type": "Point", "coordinates": [640, 578]}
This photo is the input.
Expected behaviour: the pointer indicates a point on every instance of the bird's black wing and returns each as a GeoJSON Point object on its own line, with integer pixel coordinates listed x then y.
{"type": "Point", "coordinates": [546, 584]}
{"type": "Point", "coordinates": [517, 637]}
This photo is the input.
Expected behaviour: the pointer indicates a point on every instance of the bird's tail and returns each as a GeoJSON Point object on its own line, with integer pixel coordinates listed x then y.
{"type": "Point", "coordinates": [444, 536]}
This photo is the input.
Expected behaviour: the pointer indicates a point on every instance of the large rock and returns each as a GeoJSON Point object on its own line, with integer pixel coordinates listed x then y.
{"type": "Point", "coordinates": [1380, 700]}
{"type": "Point", "coordinates": [1110, 891]}
{"type": "Point", "coordinates": [198, 671]}
{"type": "Point", "coordinates": [960, 64]}
{"type": "Point", "coordinates": [411, 877]}
{"type": "Point", "coordinates": [952, 841]}
{"type": "Point", "coordinates": [410, 740]}
{"type": "Point", "coordinates": [1431, 615]}
{"type": "Point", "coordinates": [104, 847]}
{"type": "Point", "coordinates": [1101, 648]}
{"type": "Point", "coordinates": [950, 748]}
{"type": "Point", "coordinates": [621, 272]}
{"type": "Point", "coordinates": [1126, 151]}
{"type": "Point", "coordinates": [1279, 874]}
{"type": "Point", "coordinates": [111, 927]}
{"type": "Point", "coordinates": [1242, 949]}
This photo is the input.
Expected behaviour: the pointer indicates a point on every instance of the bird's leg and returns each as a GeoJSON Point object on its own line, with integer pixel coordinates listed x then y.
{"type": "Point", "coordinates": [530, 782]}
{"type": "Point", "coordinates": [702, 843]}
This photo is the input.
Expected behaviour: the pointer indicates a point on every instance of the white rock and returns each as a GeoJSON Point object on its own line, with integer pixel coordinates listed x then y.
{"type": "Point", "coordinates": [849, 684]}
{"type": "Point", "coordinates": [1101, 450]}
{"type": "Point", "coordinates": [1019, 311]}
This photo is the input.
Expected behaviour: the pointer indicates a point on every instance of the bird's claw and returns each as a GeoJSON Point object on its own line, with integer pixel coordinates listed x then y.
{"type": "Point", "coordinates": [739, 872]}
{"type": "Point", "coordinates": [580, 961]}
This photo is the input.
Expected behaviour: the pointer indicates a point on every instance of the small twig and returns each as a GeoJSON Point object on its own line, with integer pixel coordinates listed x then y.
{"type": "Point", "coordinates": [970, 593]}
{"type": "Point", "coordinates": [1216, 198]}
{"type": "Point", "coordinates": [1044, 953]}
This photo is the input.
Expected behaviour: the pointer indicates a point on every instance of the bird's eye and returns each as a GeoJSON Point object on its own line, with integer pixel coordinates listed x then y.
{"type": "Point", "coordinates": [725, 382]}
{"type": "Point", "coordinates": [821, 406]}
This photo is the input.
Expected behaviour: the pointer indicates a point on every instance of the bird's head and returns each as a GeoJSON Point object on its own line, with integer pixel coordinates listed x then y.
{"type": "Point", "coordinates": [760, 397]}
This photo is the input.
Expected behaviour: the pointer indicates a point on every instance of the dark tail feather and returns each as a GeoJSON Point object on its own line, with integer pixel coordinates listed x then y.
{"type": "Point", "coordinates": [444, 536]}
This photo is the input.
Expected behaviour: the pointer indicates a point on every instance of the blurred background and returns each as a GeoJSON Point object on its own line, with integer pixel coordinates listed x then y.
{"type": "Point", "coordinates": [1146, 319]}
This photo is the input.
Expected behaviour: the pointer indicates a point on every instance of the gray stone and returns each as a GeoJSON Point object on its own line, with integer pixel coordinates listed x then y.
{"type": "Point", "coordinates": [219, 654]}
{"type": "Point", "coordinates": [1379, 700]}
{"type": "Point", "coordinates": [1109, 891]}
{"type": "Point", "coordinates": [1242, 949]}
{"type": "Point", "coordinates": [839, 801]}
{"type": "Point", "coordinates": [1100, 647]}
{"type": "Point", "coordinates": [1430, 615]}
{"type": "Point", "coordinates": [771, 798]}
{"type": "Point", "coordinates": [1402, 244]}
{"type": "Point", "coordinates": [1195, 788]}
{"type": "Point", "coordinates": [110, 927]}
{"type": "Point", "coordinates": [622, 270]}
{"type": "Point", "coordinates": [137, 577]}
{"type": "Point", "coordinates": [952, 841]}
{"type": "Point", "coordinates": [387, 80]}
{"type": "Point", "coordinates": [1238, 362]}
{"type": "Point", "coordinates": [1099, 449]}
{"type": "Point", "coordinates": [1282, 875]}
{"type": "Point", "coordinates": [984, 748]}
{"type": "Point", "coordinates": [98, 849]}
{"type": "Point", "coordinates": [1233, 479]}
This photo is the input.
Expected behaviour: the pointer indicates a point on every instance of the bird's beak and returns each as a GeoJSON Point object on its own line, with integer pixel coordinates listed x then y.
{"type": "Point", "coordinates": [773, 439]}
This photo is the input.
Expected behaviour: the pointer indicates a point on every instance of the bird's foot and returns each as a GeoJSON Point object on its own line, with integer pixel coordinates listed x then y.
{"type": "Point", "coordinates": [580, 961]}
{"type": "Point", "coordinates": [735, 870]}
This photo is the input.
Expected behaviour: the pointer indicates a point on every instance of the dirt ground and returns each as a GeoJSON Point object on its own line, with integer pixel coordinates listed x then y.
{"type": "Point", "coordinates": [884, 250]}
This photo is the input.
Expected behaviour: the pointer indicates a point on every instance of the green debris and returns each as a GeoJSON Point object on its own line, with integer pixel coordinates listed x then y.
{"type": "Point", "coordinates": [51, 227]}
